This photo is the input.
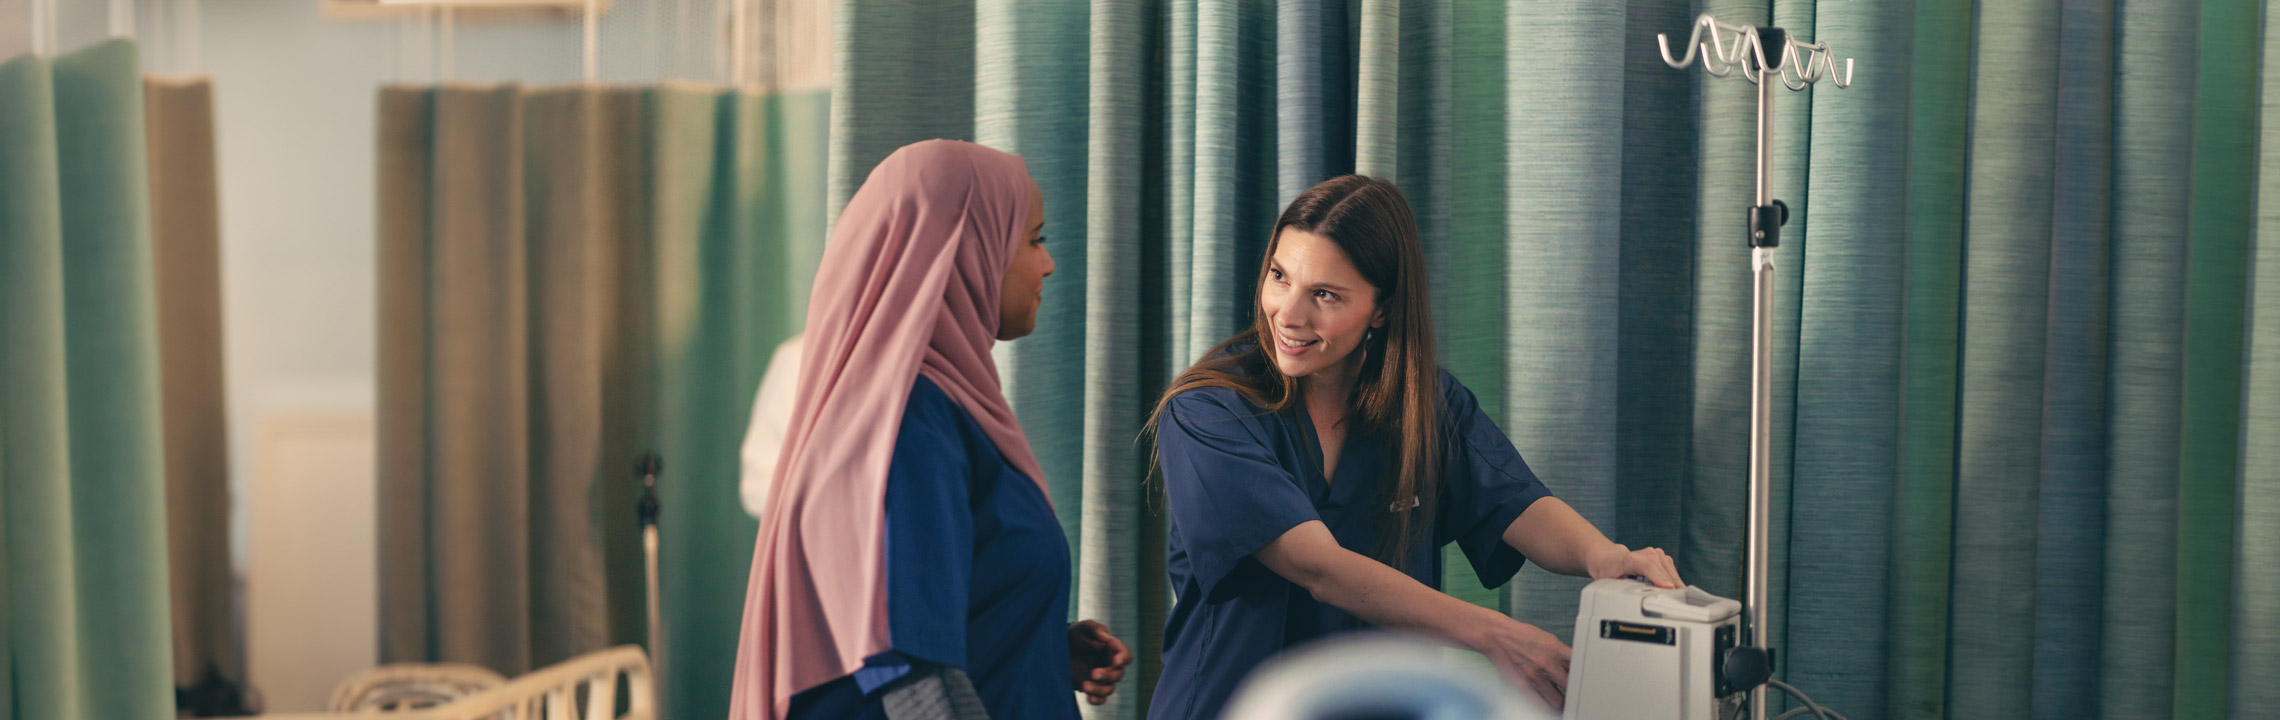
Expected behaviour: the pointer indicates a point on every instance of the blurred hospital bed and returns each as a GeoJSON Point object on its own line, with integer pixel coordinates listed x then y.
{"type": "Point", "coordinates": [587, 687]}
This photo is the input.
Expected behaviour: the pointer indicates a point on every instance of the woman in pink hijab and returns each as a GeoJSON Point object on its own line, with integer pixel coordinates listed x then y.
{"type": "Point", "coordinates": [909, 564]}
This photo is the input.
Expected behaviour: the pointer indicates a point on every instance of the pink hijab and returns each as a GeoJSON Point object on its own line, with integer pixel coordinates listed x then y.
{"type": "Point", "coordinates": [908, 286]}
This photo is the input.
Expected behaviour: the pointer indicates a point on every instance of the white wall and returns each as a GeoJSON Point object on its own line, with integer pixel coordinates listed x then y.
{"type": "Point", "coordinates": [312, 594]}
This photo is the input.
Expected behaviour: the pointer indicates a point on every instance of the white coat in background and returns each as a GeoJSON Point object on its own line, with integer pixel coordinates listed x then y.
{"type": "Point", "coordinates": [771, 418]}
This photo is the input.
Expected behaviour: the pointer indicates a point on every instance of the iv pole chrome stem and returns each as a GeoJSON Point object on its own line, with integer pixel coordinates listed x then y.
{"type": "Point", "coordinates": [1761, 377]}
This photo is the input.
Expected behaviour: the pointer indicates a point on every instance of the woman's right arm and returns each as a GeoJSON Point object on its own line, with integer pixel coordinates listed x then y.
{"type": "Point", "coordinates": [1310, 557]}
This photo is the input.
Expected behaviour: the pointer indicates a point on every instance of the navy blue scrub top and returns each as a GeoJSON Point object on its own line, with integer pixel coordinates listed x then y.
{"type": "Point", "coordinates": [977, 575]}
{"type": "Point", "coordinates": [1237, 478]}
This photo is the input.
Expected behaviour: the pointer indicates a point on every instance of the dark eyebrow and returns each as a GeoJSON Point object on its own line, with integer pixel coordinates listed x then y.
{"type": "Point", "coordinates": [1277, 265]}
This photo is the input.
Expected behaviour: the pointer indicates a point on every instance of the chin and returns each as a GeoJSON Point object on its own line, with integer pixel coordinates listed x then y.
{"type": "Point", "coordinates": [1016, 332]}
{"type": "Point", "coordinates": [1294, 368]}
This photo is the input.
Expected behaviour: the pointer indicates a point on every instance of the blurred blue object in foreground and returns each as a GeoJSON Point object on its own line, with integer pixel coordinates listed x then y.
{"type": "Point", "coordinates": [1380, 676]}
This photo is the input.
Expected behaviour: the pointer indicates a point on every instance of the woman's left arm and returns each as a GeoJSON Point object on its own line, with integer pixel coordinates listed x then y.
{"type": "Point", "coordinates": [1551, 534]}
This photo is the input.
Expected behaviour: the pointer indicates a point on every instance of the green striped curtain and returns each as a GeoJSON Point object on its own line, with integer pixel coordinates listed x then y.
{"type": "Point", "coordinates": [84, 619]}
{"type": "Point", "coordinates": [570, 278]}
{"type": "Point", "coordinates": [2024, 426]}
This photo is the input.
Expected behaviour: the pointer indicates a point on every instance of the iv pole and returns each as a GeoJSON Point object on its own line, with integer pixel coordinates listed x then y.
{"type": "Point", "coordinates": [1798, 66]}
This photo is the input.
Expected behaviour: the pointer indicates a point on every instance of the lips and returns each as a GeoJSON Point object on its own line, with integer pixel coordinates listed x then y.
{"type": "Point", "coordinates": [1292, 347]}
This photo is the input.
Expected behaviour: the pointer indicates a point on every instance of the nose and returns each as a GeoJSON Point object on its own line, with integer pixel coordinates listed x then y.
{"type": "Point", "coordinates": [1290, 315]}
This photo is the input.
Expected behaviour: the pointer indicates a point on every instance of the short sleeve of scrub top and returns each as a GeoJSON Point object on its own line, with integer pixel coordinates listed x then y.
{"type": "Point", "coordinates": [1485, 485]}
{"type": "Point", "coordinates": [1228, 491]}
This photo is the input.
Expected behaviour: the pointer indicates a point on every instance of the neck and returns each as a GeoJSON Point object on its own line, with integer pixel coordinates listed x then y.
{"type": "Point", "coordinates": [1331, 386]}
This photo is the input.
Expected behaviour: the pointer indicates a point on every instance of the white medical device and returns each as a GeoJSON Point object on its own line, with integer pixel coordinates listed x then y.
{"type": "Point", "coordinates": [1648, 652]}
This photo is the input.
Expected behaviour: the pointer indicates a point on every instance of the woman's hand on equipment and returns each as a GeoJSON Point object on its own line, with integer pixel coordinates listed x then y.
{"type": "Point", "coordinates": [1528, 657]}
{"type": "Point", "coordinates": [1096, 660]}
{"type": "Point", "coordinates": [1651, 564]}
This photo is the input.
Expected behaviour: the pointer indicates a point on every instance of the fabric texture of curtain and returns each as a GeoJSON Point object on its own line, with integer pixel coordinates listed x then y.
{"type": "Point", "coordinates": [83, 482]}
{"type": "Point", "coordinates": [2024, 419]}
{"type": "Point", "coordinates": [571, 278]}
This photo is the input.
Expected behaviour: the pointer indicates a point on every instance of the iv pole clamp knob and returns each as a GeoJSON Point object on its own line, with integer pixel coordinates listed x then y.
{"type": "Point", "coordinates": [648, 467]}
{"type": "Point", "coordinates": [1766, 222]}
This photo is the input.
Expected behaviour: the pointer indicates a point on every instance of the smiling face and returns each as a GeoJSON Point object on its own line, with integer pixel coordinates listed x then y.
{"type": "Point", "coordinates": [1024, 285]}
{"type": "Point", "coordinates": [1317, 306]}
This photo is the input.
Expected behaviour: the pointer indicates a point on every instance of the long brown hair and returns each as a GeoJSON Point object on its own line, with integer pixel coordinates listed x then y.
{"type": "Point", "coordinates": [1397, 391]}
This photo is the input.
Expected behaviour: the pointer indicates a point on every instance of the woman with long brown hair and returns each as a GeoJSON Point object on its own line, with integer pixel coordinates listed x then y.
{"type": "Point", "coordinates": [1315, 463]}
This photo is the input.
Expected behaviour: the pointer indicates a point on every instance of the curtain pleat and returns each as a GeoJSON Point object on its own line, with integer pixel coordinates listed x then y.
{"type": "Point", "coordinates": [1225, 247]}
{"type": "Point", "coordinates": [2070, 539]}
{"type": "Point", "coordinates": [732, 224]}
{"type": "Point", "coordinates": [1655, 383]}
{"type": "Point", "coordinates": [2005, 295]}
{"type": "Point", "coordinates": [477, 430]}
{"type": "Point", "coordinates": [1424, 166]}
{"type": "Point", "coordinates": [2223, 179]}
{"type": "Point", "coordinates": [1848, 368]}
{"type": "Point", "coordinates": [1311, 90]}
{"type": "Point", "coordinates": [1939, 69]}
{"type": "Point", "coordinates": [915, 59]}
{"type": "Point", "coordinates": [2153, 143]}
{"type": "Point", "coordinates": [624, 302]}
{"type": "Point", "coordinates": [2254, 658]}
{"type": "Point", "coordinates": [1792, 183]}
{"type": "Point", "coordinates": [43, 607]}
{"type": "Point", "coordinates": [1469, 306]}
{"type": "Point", "coordinates": [1114, 513]}
{"type": "Point", "coordinates": [110, 336]}
{"type": "Point", "coordinates": [712, 344]}
{"type": "Point", "coordinates": [564, 217]}
{"type": "Point", "coordinates": [84, 614]}
{"type": "Point", "coordinates": [406, 139]}
{"type": "Point", "coordinates": [1563, 226]}
{"type": "Point", "coordinates": [186, 256]}
{"type": "Point", "coordinates": [1377, 90]}
{"type": "Point", "coordinates": [1179, 168]}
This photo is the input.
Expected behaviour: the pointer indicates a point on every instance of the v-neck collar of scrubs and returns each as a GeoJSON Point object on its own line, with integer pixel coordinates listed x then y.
{"type": "Point", "coordinates": [1336, 487]}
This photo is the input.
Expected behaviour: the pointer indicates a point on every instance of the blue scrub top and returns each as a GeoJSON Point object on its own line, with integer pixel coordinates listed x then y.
{"type": "Point", "coordinates": [977, 575]}
{"type": "Point", "coordinates": [1237, 478]}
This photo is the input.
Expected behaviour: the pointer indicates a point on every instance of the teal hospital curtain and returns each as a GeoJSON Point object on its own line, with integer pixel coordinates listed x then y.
{"type": "Point", "coordinates": [84, 616]}
{"type": "Point", "coordinates": [571, 278]}
{"type": "Point", "coordinates": [2024, 419]}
